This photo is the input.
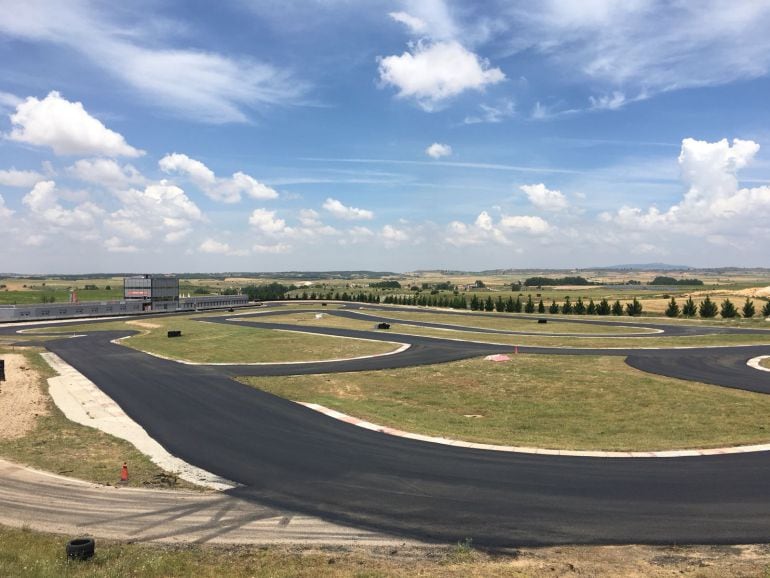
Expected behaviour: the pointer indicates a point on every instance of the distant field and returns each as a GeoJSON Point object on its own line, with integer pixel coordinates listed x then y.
{"type": "Point", "coordinates": [566, 402]}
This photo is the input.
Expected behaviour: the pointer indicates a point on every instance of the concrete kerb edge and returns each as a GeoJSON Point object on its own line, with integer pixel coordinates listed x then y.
{"type": "Point", "coordinates": [83, 402]}
{"type": "Point", "coordinates": [754, 362]}
{"type": "Point", "coordinates": [334, 414]}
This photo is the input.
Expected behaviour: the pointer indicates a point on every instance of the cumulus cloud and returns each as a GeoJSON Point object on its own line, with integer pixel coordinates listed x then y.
{"type": "Point", "coordinates": [393, 236]}
{"type": "Point", "coordinates": [5, 212]}
{"type": "Point", "coordinates": [484, 229]}
{"type": "Point", "coordinates": [50, 216]}
{"type": "Point", "coordinates": [438, 150]}
{"type": "Point", "coordinates": [67, 128]}
{"type": "Point", "coordinates": [433, 72]}
{"type": "Point", "coordinates": [266, 222]}
{"type": "Point", "coordinates": [161, 209]}
{"type": "Point", "coordinates": [544, 198]}
{"type": "Point", "coordinates": [219, 189]}
{"type": "Point", "coordinates": [23, 179]}
{"type": "Point", "coordinates": [106, 172]}
{"type": "Point", "coordinates": [214, 247]}
{"type": "Point", "coordinates": [337, 209]}
{"type": "Point", "coordinates": [714, 206]}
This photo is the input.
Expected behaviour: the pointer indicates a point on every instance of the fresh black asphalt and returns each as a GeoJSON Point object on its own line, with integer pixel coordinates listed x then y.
{"type": "Point", "coordinates": [291, 457]}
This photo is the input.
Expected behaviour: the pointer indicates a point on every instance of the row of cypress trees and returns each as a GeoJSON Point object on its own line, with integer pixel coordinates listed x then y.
{"type": "Point", "coordinates": [707, 309]}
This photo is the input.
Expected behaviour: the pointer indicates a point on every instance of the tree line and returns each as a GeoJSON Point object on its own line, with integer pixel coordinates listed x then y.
{"type": "Point", "coordinates": [708, 309]}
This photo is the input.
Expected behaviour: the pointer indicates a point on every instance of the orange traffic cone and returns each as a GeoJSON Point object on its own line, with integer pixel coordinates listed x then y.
{"type": "Point", "coordinates": [124, 473]}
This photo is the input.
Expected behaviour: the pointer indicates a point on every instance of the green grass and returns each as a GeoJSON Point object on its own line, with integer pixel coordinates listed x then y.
{"type": "Point", "coordinates": [566, 402]}
{"type": "Point", "coordinates": [61, 446]}
{"type": "Point", "coordinates": [216, 343]}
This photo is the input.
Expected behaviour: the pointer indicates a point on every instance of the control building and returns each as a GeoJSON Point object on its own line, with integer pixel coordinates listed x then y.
{"type": "Point", "coordinates": [157, 292]}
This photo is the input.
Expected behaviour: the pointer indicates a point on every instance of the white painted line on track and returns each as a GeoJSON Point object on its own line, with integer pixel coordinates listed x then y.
{"type": "Point", "coordinates": [531, 450]}
{"type": "Point", "coordinates": [83, 402]}
{"type": "Point", "coordinates": [754, 363]}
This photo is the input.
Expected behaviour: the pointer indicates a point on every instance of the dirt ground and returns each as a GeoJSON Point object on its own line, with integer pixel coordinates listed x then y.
{"type": "Point", "coordinates": [21, 400]}
{"type": "Point", "coordinates": [143, 324]}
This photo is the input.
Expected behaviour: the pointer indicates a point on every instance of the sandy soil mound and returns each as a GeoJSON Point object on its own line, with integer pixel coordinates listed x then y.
{"type": "Point", "coordinates": [145, 324]}
{"type": "Point", "coordinates": [21, 400]}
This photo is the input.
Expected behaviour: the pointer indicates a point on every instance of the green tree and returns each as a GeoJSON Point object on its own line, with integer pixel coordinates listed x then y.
{"type": "Point", "coordinates": [567, 307]}
{"type": "Point", "coordinates": [489, 305]}
{"type": "Point", "coordinates": [673, 309]}
{"type": "Point", "coordinates": [474, 303]}
{"type": "Point", "coordinates": [766, 309]}
{"type": "Point", "coordinates": [604, 307]}
{"type": "Point", "coordinates": [517, 305]}
{"type": "Point", "coordinates": [689, 309]}
{"type": "Point", "coordinates": [617, 308]}
{"type": "Point", "coordinates": [634, 309]}
{"type": "Point", "coordinates": [728, 310]}
{"type": "Point", "coordinates": [580, 307]}
{"type": "Point", "coordinates": [707, 308]}
{"type": "Point", "coordinates": [499, 304]}
{"type": "Point", "coordinates": [553, 307]}
{"type": "Point", "coordinates": [748, 309]}
{"type": "Point", "coordinates": [591, 309]}
{"type": "Point", "coordinates": [530, 306]}
{"type": "Point", "coordinates": [541, 307]}
{"type": "Point", "coordinates": [509, 305]}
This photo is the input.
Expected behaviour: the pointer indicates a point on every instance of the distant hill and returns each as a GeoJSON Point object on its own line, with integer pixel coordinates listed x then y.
{"type": "Point", "coordinates": [645, 267]}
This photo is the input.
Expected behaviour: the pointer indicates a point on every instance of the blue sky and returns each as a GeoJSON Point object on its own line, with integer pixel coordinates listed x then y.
{"type": "Point", "coordinates": [332, 134]}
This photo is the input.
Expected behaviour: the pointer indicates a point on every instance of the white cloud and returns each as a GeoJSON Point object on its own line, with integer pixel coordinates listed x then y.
{"type": "Point", "coordinates": [14, 178]}
{"type": "Point", "coordinates": [45, 208]}
{"type": "Point", "coordinates": [340, 211]}
{"type": "Point", "coordinates": [218, 189]}
{"type": "Point", "coordinates": [5, 212]}
{"type": "Point", "coordinates": [438, 150]}
{"type": "Point", "coordinates": [106, 172]}
{"type": "Point", "coordinates": [393, 236]}
{"type": "Point", "coordinates": [544, 198]}
{"type": "Point", "coordinates": [201, 85]}
{"type": "Point", "coordinates": [266, 222]}
{"type": "Point", "coordinates": [609, 43]}
{"type": "Point", "coordinates": [714, 206]}
{"type": "Point", "coordinates": [67, 128]}
{"type": "Point", "coordinates": [160, 210]}
{"type": "Point", "coordinates": [529, 224]}
{"type": "Point", "coordinates": [214, 247]}
{"type": "Point", "coordinates": [434, 72]}
{"type": "Point", "coordinates": [484, 229]}
{"type": "Point", "coordinates": [272, 249]}
{"type": "Point", "coordinates": [116, 245]}
{"type": "Point", "coordinates": [493, 114]}
{"type": "Point", "coordinates": [415, 25]}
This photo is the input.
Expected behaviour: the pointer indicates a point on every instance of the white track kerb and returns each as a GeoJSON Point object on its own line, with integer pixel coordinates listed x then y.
{"type": "Point", "coordinates": [755, 361]}
{"type": "Point", "coordinates": [530, 450]}
{"type": "Point", "coordinates": [84, 403]}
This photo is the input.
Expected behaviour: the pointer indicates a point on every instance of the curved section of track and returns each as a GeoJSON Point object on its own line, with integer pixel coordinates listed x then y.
{"type": "Point", "coordinates": [290, 457]}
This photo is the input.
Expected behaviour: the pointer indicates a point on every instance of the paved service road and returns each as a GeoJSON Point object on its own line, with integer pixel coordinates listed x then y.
{"type": "Point", "coordinates": [291, 458]}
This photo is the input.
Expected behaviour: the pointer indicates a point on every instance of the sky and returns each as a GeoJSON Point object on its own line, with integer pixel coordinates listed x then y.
{"type": "Point", "coordinates": [277, 135]}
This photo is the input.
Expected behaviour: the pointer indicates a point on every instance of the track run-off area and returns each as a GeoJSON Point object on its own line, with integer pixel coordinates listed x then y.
{"type": "Point", "coordinates": [290, 458]}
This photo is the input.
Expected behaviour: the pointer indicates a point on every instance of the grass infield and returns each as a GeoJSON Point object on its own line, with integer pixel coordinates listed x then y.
{"type": "Point", "coordinates": [564, 402]}
{"type": "Point", "coordinates": [216, 343]}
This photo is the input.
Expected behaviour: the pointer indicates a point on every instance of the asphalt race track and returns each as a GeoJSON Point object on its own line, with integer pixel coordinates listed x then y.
{"type": "Point", "coordinates": [289, 457]}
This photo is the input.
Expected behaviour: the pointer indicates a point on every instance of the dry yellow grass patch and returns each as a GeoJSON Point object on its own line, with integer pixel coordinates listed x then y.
{"type": "Point", "coordinates": [21, 400]}
{"type": "Point", "coordinates": [144, 324]}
